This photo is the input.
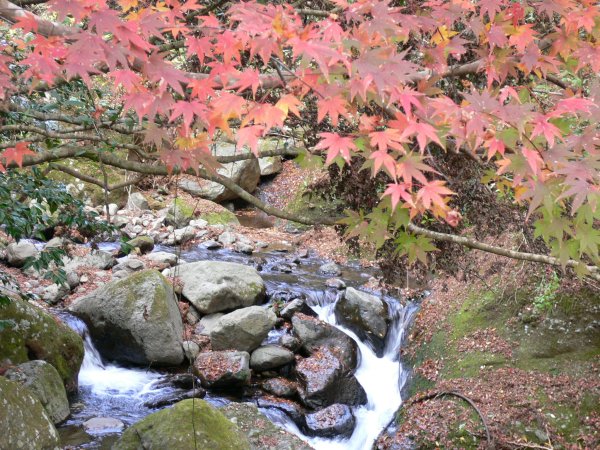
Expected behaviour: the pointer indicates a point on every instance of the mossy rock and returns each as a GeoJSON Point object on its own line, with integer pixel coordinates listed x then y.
{"type": "Point", "coordinates": [44, 382]}
{"type": "Point", "coordinates": [180, 213]}
{"type": "Point", "coordinates": [173, 428]}
{"type": "Point", "coordinates": [260, 431]}
{"type": "Point", "coordinates": [134, 320]}
{"type": "Point", "coordinates": [224, 217]}
{"type": "Point", "coordinates": [24, 424]}
{"type": "Point", "coordinates": [33, 334]}
{"type": "Point", "coordinates": [145, 244]}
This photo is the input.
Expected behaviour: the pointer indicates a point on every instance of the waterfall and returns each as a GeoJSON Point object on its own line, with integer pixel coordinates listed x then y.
{"type": "Point", "coordinates": [382, 378]}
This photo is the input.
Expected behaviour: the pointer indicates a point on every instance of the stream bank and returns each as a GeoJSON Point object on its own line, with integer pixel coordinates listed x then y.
{"type": "Point", "coordinates": [519, 341]}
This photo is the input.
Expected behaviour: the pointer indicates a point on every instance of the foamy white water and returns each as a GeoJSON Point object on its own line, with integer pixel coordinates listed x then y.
{"type": "Point", "coordinates": [382, 378]}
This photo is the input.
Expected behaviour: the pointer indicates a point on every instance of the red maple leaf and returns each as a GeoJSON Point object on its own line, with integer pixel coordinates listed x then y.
{"type": "Point", "coordinates": [432, 194]}
{"type": "Point", "coordinates": [397, 192]}
{"type": "Point", "coordinates": [332, 106]}
{"type": "Point", "coordinates": [336, 145]}
{"type": "Point", "coordinates": [15, 154]}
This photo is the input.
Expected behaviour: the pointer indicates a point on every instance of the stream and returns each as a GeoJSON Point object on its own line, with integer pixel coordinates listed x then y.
{"type": "Point", "coordinates": [109, 390]}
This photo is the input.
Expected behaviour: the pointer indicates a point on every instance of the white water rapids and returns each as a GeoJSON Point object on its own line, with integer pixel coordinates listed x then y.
{"type": "Point", "coordinates": [382, 378]}
{"type": "Point", "coordinates": [108, 390]}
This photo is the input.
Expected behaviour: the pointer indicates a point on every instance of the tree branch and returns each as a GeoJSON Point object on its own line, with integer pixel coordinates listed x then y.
{"type": "Point", "coordinates": [523, 256]}
{"type": "Point", "coordinates": [92, 180]}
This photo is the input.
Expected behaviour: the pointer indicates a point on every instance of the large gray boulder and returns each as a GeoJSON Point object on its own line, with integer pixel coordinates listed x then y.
{"type": "Point", "coordinates": [366, 315]}
{"type": "Point", "coordinates": [187, 425]}
{"type": "Point", "coordinates": [98, 259]}
{"type": "Point", "coordinates": [44, 382]}
{"type": "Point", "coordinates": [315, 334]}
{"type": "Point", "coordinates": [324, 381]}
{"type": "Point", "coordinates": [245, 173]}
{"type": "Point", "coordinates": [243, 329]}
{"type": "Point", "coordinates": [270, 357]}
{"type": "Point", "coordinates": [223, 369]}
{"type": "Point", "coordinates": [214, 286]}
{"type": "Point", "coordinates": [135, 319]}
{"type": "Point", "coordinates": [17, 253]}
{"type": "Point", "coordinates": [24, 423]}
{"type": "Point", "coordinates": [33, 334]}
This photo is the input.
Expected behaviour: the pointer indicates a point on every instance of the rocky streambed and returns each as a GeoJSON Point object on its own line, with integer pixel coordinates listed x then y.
{"type": "Point", "coordinates": [277, 335]}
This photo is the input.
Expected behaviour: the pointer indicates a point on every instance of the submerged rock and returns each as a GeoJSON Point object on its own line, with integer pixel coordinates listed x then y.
{"type": "Point", "coordinates": [134, 320]}
{"type": "Point", "coordinates": [243, 329]}
{"type": "Point", "coordinates": [331, 269]}
{"type": "Point", "coordinates": [223, 369]}
{"type": "Point", "coordinates": [291, 409]}
{"type": "Point", "coordinates": [260, 431]}
{"type": "Point", "coordinates": [24, 423]}
{"type": "Point", "coordinates": [174, 397]}
{"type": "Point", "coordinates": [366, 315]}
{"type": "Point", "coordinates": [43, 380]}
{"type": "Point", "coordinates": [335, 421]}
{"type": "Point", "coordinates": [32, 334]}
{"type": "Point", "coordinates": [214, 286]}
{"type": "Point", "coordinates": [188, 424]}
{"type": "Point", "coordinates": [101, 425]}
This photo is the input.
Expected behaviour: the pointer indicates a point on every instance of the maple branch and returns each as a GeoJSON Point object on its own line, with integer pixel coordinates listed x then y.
{"type": "Point", "coordinates": [13, 13]}
{"type": "Point", "coordinates": [118, 126]}
{"type": "Point", "coordinates": [594, 271]}
{"type": "Point", "coordinates": [161, 170]}
{"type": "Point", "coordinates": [88, 179]}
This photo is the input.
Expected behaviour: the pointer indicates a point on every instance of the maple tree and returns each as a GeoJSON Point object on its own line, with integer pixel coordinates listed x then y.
{"type": "Point", "coordinates": [508, 84]}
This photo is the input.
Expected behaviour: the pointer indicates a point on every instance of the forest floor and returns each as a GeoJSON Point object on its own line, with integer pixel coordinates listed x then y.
{"type": "Point", "coordinates": [518, 341]}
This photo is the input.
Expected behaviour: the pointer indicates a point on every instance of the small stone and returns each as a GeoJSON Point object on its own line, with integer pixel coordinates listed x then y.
{"type": "Point", "coordinates": [331, 269]}
{"type": "Point", "coordinates": [335, 283]}
{"type": "Point", "coordinates": [101, 425]}
{"type": "Point", "coordinates": [227, 238]}
{"type": "Point", "coordinates": [211, 245]}
{"type": "Point", "coordinates": [241, 247]}
{"type": "Point", "coordinates": [270, 357]}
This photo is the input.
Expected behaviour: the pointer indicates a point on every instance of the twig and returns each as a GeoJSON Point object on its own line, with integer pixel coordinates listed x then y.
{"type": "Point", "coordinates": [436, 395]}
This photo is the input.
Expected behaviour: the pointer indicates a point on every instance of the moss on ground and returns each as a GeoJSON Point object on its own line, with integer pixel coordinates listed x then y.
{"type": "Point", "coordinates": [561, 340]}
{"type": "Point", "coordinates": [220, 218]}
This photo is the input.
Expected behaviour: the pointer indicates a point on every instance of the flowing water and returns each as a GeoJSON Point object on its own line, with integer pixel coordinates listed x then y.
{"type": "Point", "coordinates": [109, 390]}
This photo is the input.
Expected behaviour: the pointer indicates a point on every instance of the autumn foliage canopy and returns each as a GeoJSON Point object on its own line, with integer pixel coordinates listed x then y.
{"type": "Point", "coordinates": [509, 84]}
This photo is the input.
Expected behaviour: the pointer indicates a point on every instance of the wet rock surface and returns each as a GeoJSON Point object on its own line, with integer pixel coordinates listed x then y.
{"type": "Point", "coordinates": [325, 382]}
{"type": "Point", "coordinates": [366, 315]}
{"type": "Point", "coordinates": [243, 329]}
{"type": "Point", "coordinates": [223, 369]}
{"type": "Point", "coordinates": [315, 334]}
{"type": "Point", "coordinates": [334, 421]}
